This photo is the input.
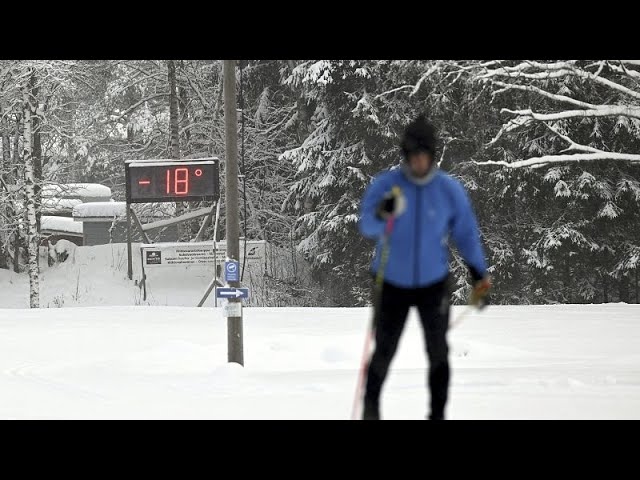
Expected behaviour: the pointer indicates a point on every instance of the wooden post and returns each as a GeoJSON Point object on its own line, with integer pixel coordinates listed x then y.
{"type": "Point", "coordinates": [234, 324]}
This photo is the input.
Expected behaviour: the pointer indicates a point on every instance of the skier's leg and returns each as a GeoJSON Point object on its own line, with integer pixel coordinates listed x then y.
{"type": "Point", "coordinates": [433, 306]}
{"type": "Point", "coordinates": [394, 307]}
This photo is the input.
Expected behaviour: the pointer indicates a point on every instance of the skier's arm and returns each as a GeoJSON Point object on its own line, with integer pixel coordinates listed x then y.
{"type": "Point", "coordinates": [370, 224]}
{"type": "Point", "coordinates": [465, 233]}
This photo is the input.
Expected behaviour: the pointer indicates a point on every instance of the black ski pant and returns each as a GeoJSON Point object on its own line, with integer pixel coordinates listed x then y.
{"type": "Point", "coordinates": [390, 318]}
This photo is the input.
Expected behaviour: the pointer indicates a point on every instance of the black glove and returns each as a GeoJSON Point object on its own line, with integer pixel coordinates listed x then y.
{"type": "Point", "coordinates": [393, 204]}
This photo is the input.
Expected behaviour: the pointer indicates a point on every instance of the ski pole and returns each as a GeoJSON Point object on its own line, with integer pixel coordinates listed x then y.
{"type": "Point", "coordinates": [458, 320]}
{"type": "Point", "coordinates": [461, 316]}
{"type": "Point", "coordinates": [478, 303]}
{"type": "Point", "coordinates": [361, 375]}
{"type": "Point", "coordinates": [384, 255]}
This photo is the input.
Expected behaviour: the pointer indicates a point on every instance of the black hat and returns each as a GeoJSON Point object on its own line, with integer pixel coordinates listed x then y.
{"type": "Point", "coordinates": [419, 135]}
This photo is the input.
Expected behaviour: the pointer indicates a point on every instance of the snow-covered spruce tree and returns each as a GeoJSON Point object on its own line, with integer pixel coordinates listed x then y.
{"type": "Point", "coordinates": [329, 166]}
{"type": "Point", "coordinates": [575, 125]}
{"type": "Point", "coordinates": [359, 111]}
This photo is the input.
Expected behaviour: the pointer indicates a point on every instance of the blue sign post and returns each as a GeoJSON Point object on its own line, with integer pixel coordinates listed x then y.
{"type": "Point", "coordinates": [231, 271]}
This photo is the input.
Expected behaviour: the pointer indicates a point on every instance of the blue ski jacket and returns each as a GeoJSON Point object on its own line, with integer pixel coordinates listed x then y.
{"type": "Point", "coordinates": [418, 253]}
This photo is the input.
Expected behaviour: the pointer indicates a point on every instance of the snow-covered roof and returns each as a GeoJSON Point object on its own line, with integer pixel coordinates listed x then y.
{"type": "Point", "coordinates": [161, 162]}
{"type": "Point", "coordinates": [76, 190]}
{"type": "Point", "coordinates": [60, 224]}
{"type": "Point", "coordinates": [173, 162]}
{"type": "Point", "coordinates": [59, 205]}
{"type": "Point", "coordinates": [99, 210]}
{"type": "Point", "coordinates": [105, 211]}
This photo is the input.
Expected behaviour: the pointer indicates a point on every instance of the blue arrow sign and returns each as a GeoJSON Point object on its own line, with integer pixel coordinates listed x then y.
{"type": "Point", "coordinates": [228, 292]}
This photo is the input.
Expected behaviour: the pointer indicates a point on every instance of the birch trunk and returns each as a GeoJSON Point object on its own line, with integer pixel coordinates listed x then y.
{"type": "Point", "coordinates": [30, 203]}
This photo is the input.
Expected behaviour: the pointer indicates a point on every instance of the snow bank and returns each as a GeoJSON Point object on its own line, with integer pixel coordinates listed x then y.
{"type": "Point", "coordinates": [61, 251]}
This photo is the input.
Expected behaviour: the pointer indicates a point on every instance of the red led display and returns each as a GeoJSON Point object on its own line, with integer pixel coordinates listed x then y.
{"type": "Point", "coordinates": [172, 181]}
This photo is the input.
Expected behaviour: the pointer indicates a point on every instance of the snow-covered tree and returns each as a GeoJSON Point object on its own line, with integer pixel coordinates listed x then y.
{"type": "Point", "coordinates": [548, 151]}
{"type": "Point", "coordinates": [359, 111]}
{"type": "Point", "coordinates": [575, 125]}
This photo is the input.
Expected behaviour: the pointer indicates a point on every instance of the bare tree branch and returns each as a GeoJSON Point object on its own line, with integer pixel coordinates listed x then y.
{"type": "Point", "coordinates": [510, 125]}
{"type": "Point", "coordinates": [204, 103]}
{"type": "Point", "coordinates": [557, 70]}
{"type": "Point", "coordinates": [552, 96]}
{"type": "Point", "coordinates": [600, 111]}
{"type": "Point", "coordinates": [624, 70]}
{"type": "Point", "coordinates": [551, 159]}
{"type": "Point", "coordinates": [531, 76]}
{"type": "Point", "coordinates": [607, 82]}
{"type": "Point", "coordinates": [572, 145]}
{"type": "Point", "coordinates": [137, 104]}
{"type": "Point", "coordinates": [433, 68]}
{"type": "Point", "coordinates": [393, 90]}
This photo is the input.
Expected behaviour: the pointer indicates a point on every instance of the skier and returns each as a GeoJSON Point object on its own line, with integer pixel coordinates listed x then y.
{"type": "Point", "coordinates": [411, 211]}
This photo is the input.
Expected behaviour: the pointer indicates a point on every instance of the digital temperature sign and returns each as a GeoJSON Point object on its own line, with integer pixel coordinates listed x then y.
{"type": "Point", "coordinates": [172, 180]}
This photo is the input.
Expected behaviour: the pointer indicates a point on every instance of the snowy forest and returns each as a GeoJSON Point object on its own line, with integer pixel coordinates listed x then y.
{"type": "Point", "coordinates": [548, 150]}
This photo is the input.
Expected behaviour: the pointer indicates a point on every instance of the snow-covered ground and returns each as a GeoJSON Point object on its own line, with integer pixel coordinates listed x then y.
{"type": "Point", "coordinates": [547, 362]}
{"type": "Point", "coordinates": [97, 276]}
{"type": "Point", "coordinates": [123, 359]}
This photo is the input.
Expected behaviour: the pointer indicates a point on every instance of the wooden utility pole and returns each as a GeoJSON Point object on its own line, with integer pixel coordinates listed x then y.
{"type": "Point", "coordinates": [234, 323]}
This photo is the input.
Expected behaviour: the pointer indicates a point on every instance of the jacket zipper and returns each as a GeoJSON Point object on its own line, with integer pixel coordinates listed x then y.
{"type": "Point", "coordinates": [417, 238]}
